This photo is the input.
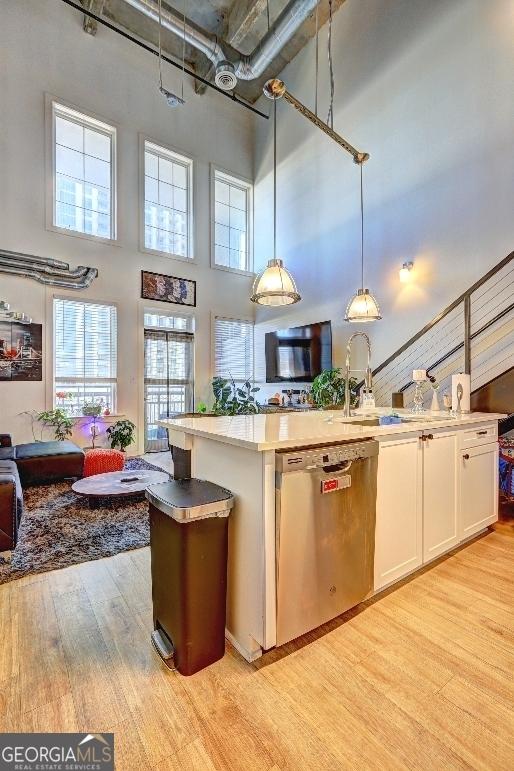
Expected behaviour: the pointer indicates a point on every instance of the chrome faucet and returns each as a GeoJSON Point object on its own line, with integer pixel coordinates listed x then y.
{"type": "Point", "coordinates": [368, 379]}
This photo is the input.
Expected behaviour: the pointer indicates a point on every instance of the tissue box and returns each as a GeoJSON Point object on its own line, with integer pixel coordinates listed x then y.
{"type": "Point", "coordinates": [389, 420]}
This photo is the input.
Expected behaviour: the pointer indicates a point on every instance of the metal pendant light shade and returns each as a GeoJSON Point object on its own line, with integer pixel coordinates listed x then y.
{"type": "Point", "coordinates": [274, 285]}
{"type": "Point", "coordinates": [363, 305]}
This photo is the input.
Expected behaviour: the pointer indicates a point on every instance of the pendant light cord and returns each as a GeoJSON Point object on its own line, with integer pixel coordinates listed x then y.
{"type": "Point", "coordinates": [275, 179]}
{"type": "Point", "coordinates": [362, 232]}
{"type": "Point", "coordinates": [183, 46]}
{"type": "Point", "coordinates": [330, 116]}
{"type": "Point", "coordinates": [317, 62]}
{"type": "Point", "coordinates": [160, 49]}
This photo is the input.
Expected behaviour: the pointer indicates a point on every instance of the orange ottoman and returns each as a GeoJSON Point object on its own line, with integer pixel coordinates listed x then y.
{"type": "Point", "coordinates": [100, 461]}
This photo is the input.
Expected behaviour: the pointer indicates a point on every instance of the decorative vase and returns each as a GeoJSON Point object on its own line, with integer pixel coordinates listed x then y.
{"type": "Point", "coordinates": [435, 406]}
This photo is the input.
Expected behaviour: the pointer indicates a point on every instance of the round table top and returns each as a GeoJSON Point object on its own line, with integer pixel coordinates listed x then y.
{"type": "Point", "coordinates": [118, 483]}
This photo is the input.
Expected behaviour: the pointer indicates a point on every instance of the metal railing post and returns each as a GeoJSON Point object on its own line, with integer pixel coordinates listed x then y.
{"type": "Point", "coordinates": [467, 334]}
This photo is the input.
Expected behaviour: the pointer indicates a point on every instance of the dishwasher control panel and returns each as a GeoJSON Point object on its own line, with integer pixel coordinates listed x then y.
{"type": "Point", "coordinates": [319, 457]}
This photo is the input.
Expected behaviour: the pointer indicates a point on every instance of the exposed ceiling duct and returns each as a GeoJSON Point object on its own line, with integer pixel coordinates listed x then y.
{"type": "Point", "coordinates": [46, 270]}
{"type": "Point", "coordinates": [229, 68]}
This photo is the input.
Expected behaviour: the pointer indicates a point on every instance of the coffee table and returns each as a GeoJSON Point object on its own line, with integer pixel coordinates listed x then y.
{"type": "Point", "coordinates": [118, 484]}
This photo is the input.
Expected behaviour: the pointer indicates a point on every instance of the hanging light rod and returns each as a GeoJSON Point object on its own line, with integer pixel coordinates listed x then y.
{"type": "Point", "coordinates": [101, 20]}
{"type": "Point", "coordinates": [276, 89]}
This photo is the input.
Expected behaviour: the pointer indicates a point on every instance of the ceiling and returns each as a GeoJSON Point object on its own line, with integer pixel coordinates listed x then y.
{"type": "Point", "coordinates": [238, 25]}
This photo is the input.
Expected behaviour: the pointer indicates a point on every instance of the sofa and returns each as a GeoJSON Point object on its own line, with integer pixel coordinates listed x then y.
{"type": "Point", "coordinates": [30, 464]}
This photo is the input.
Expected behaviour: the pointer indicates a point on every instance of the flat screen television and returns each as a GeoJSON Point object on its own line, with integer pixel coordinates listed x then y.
{"type": "Point", "coordinates": [298, 354]}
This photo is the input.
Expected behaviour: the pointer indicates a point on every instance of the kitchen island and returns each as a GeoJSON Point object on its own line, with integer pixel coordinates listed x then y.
{"type": "Point", "coordinates": [437, 486]}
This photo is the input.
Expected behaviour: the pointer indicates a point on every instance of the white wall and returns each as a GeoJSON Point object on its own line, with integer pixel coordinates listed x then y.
{"type": "Point", "coordinates": [44, 49]}
{"type": "Point", "coordinates": [426, 89]}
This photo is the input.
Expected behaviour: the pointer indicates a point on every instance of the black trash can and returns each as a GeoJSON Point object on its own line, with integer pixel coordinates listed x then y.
{"type": "Point", "coordinates": [188, 544]}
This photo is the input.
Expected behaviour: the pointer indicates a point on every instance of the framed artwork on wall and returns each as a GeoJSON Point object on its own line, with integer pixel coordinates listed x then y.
{"type": "Point", "coordinates": [21, 351]}
{"type": "Point", "coordinates": [168, 289]}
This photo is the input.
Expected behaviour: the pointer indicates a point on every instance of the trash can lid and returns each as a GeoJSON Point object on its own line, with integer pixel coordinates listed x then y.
{"type": "Point", "coordinates": [187, 499]}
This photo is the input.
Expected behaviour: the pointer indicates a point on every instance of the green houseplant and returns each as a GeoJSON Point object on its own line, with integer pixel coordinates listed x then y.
{"type": "Point", "coordinates": [328, 389]}
{"type": "Point", "coordinates": [57, 419]}
{"type": "Point", "coordinates": [92, 409]}
{"type": "Point", "coordinates": [121, 434]}
{"type": "Point", "coordinates": [230, 399]}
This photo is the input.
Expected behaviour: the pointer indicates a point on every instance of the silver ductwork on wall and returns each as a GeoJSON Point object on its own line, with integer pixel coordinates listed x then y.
{"type": "Point", "coordinates": [244, 67]}
{"type": "Point", "coordinates": [46, 270]}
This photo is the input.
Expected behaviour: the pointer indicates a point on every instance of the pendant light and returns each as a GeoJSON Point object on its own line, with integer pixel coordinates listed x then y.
{"type": "Point", "coordinates": [363, 306]}
{"type": "Point", "coordinates": [275, 285]}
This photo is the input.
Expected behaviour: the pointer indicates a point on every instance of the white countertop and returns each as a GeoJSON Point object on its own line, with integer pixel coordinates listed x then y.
{"type": "Point", "coordinates": [277, 431]}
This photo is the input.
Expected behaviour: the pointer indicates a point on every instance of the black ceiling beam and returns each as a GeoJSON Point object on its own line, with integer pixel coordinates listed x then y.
{"type": "Point", "coordinates": [155, 52]}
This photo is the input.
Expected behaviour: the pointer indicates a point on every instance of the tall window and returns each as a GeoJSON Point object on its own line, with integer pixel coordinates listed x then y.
{"type": "Point", "coordinates": [169, 372]}
{"type": "Point", "coordinates": [84, 354]}
{"type": "Point", "coordinates": [167, 201]}
{"type": "Point", "coordinates": [83, 173]}
{"type": "Point", "coordinates": [233, 348]}
{"type": "Point", "coordinates": [232, 222]}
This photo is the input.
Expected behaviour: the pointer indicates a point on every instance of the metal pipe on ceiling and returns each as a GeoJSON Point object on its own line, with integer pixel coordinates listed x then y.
{"type": "Point", "coordinates": [246, 67]}
{"type": "Point", "coordinates": [174, 23]}
{"type": "Point", "coordinates": [46, 270]}
{"type": "Point", "coordinates": [281, 31]}
{"type": "Point", "coordinates": [103, 21]}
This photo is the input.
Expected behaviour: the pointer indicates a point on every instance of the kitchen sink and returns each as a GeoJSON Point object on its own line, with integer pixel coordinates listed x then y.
{"type": "Point", "coordinates": [373, 421]}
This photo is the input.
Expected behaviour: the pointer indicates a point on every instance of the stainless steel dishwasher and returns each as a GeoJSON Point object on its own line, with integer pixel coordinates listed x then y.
{"type": "Point", "coordinates": [325, 530]}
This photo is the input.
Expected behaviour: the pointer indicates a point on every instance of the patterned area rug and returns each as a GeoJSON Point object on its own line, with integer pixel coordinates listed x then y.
{"type": "Point", "coordinates": [59, 529]}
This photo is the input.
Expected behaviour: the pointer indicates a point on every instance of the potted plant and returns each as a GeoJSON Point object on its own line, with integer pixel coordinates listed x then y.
{"type": "Point", "coordinates": [327, 390]}
{"type": "Point", "coordinates": [121, 434]}
{"type": "Point", "coordinates": [230, 399]}
{"type": "Point", "coordinates": [57, 419]}
{"type": "Point", "coordinates": [93, 409]}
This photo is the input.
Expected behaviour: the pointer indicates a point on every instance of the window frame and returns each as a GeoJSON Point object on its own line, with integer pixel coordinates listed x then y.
{"type": "Point", "coordinates": [247, 185]}
{"type": "Point", "coordinates": [99, 124]}
{"type": "Point", "coordinates": [224, 317]}
{"type": "Point", "coordinates": [114, 408]}
{"type": "Point", "coordinates": [189, 161]}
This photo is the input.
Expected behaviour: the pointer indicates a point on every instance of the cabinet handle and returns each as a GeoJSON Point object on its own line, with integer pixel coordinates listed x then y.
{"type": "Point", "coordinates": [465, 457]}
{"type": "Point", "coordinates": [430, 436]}
{"type": "Point", "coordinates": [481, 433]}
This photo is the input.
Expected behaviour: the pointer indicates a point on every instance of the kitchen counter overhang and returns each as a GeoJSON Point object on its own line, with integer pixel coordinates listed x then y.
{"type": "Point", "coordinates": [263, 432]}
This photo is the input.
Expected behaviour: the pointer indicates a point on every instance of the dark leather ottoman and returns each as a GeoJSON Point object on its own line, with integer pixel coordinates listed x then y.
{"type": "Point", "coordinates": [45, 462]}
{"type": "Point", "coordinates": [11, 503]}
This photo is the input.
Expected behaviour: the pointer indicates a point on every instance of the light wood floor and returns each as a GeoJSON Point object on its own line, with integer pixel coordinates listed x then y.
{"type": "Point", "coordinates": [418, 679]}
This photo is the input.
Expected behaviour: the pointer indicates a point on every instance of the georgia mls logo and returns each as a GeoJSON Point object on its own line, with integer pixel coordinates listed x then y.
{"type": "Point", "coordinates": [57, 752]}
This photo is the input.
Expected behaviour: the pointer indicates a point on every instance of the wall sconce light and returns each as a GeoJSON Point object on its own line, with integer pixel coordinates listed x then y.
{"type": "Point", "coordinates": [405, 272]}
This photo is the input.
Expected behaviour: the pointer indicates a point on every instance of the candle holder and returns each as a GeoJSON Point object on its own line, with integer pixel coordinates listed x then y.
{"type": "Point", "coordinates": [418, 398]}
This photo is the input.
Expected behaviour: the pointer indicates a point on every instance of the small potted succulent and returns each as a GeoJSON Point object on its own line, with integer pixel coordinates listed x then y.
{"type": "Point", "coordinates": [121, 434]}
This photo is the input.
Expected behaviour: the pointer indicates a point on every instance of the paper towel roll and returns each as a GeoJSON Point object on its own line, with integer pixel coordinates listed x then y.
{"type": "Point", "coordinates": [465, 402]}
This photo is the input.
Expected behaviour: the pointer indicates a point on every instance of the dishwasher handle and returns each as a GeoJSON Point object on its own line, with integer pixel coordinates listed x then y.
{"type": "Point", "coordinates": [345, 465]}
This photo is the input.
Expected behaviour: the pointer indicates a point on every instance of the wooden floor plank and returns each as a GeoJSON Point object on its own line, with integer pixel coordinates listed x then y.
{"type": "Point", "coordinates": [38, 655]}
{"type": "Point", "coordinates": [162, 717]}
{"type": "Point", "coordinates": [97, 692]}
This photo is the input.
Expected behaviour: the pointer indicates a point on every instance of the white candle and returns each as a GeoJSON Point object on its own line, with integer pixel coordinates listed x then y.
{"type": "Point", "coordinates": [418, 375]}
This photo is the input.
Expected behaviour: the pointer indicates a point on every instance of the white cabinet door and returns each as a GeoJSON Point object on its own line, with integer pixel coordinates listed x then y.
{"type": "Point", "coordinates": [398, 535]}
{"type": "Point", "coordinates": [440, 512]}
{"type": "Point", "coordinates": [478, 488]}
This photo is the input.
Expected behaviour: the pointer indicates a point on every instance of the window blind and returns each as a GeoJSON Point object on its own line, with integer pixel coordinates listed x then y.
{"type": "Point", "coordinates": [233, 348]}
{"type": "Point", "coordinates": [85, 343]}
